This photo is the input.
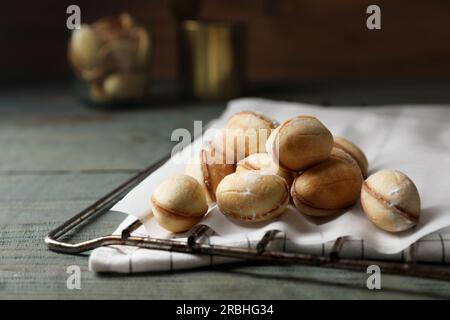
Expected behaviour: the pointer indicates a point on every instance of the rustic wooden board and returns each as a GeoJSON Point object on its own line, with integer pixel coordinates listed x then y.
{"type": "Point", "coordinates": [58, 157]}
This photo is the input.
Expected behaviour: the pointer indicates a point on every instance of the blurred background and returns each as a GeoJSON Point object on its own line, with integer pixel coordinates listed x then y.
{"type": "Point", "coordinates": [286, 41]}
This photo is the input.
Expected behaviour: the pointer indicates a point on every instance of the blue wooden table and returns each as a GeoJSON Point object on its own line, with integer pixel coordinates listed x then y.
{"type": "Point", "coordinates": [57, 157]}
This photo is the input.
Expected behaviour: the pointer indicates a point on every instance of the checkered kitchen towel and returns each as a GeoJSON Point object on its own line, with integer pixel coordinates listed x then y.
{"type": "Point", "coordinates": [125, 259]}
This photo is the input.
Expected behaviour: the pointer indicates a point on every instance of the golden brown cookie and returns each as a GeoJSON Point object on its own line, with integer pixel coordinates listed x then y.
{"type": "Point", "coordinates": [329, 187]}
{"type": "Point", "coordinates": [209, 168]}
{"type": "Point", "coordinates": [391, 200]}
{"type": "Point", "coordinates": [353, 150]}
{"type": "Point", "coordinates": [245, 133]}
{"type": "Point", "coordinates": [179, 203]}
{"type": "Point", "coordinates": [252, 197]}
{"type": "Point", "coordinates": [299, 143]}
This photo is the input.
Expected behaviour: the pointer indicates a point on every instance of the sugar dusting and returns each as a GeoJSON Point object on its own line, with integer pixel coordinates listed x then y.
{"type": "Point", "coordinates": [391, 215]}
{"type": "Point", "coordinates": [251, 177]}
{"type": "Point", "coordinates": [395, 189]}
{"type": "Point", "coordinates": [246, 192]}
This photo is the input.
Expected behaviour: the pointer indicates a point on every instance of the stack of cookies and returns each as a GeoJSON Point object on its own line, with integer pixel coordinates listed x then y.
{"type": "Point", "coordinates": [254, 167]}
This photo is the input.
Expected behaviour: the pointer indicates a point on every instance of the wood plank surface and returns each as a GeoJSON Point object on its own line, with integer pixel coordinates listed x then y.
{"type": "Point", "coordinates": [57, 157]}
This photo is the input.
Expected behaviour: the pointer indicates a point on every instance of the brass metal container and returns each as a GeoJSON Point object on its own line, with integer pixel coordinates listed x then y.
{"type": "Point", "coordinates": [211, 59]}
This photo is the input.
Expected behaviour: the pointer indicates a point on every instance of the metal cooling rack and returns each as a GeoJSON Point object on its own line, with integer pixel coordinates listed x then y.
{"type": "Point", "coordinates": [410, 267]}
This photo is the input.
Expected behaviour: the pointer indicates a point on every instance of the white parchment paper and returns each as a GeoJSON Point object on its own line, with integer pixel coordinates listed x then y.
{"type": "Point", "coordinates": [415, 140]}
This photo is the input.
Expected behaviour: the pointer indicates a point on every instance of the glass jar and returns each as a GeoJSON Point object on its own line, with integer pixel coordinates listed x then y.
{"type": "Point", "coordinates": [111, 58]}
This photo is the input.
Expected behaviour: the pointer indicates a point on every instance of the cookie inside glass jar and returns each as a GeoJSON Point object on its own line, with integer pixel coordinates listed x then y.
{"type": "Point", "coordinates": [111, 58]}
